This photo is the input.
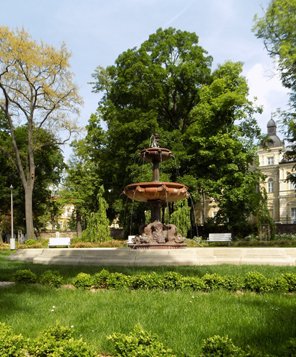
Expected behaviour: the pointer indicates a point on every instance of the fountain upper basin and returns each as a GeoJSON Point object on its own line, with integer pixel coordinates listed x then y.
{"type": "Point", "coordinates": [156, 154]}
{"type": "Point", "coordinates": [152, 191]}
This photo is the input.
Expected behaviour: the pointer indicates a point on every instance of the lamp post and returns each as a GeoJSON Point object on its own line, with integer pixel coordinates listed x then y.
{"type": "Point", "coordinates": [12, 239]}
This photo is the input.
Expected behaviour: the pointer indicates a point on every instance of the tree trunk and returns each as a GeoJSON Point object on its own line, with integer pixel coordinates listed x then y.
{"type": "Point", "coordinates": [29, 210]}
{"type": "Point", "coordinates": [78, 224]}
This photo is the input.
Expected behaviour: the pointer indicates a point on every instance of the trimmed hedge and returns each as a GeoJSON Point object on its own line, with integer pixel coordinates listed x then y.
{"type": "Point", "coordinates": [251, 281]}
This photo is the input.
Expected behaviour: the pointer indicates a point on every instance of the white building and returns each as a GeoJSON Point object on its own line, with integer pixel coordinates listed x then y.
{"type": "Point", "coordinates": [281, 194]}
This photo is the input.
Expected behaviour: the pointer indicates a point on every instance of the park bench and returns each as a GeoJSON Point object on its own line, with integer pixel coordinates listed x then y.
{"type": "Point", "coordinates": [219, 237]}
{"type": "Point", "coordinates": [59, 242]}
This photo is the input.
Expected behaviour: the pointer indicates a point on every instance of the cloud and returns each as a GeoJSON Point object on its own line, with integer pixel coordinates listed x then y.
{"type": "Point", "coordinates": [265, 85]}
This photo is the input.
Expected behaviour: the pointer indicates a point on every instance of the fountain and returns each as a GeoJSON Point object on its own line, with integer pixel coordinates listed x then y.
{"type": "Point", "coordinates": [158, 194]}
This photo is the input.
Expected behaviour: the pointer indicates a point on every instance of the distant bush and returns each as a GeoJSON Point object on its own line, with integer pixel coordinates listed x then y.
{"type": "Point", "coordinates": [213, 281]}
{"type": "Point", "coordinates": [83, 280]}
{"type": "Point", "coordinates": [257, 282]}
{"type": "Point", "coordinates": [25, 276]}
{"type": "Point", "coordinates": [51, 278]}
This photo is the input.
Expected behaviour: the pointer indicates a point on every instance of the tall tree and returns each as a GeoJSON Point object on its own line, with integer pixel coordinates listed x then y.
{"type": "Point", "coordinates": [167, 86]}
{"type": "Point", "coordinates": [36, 89]}
{"type": "Point", "coordinates": [49, 164]}
{"type": "Point", "coordinates": [277, 28]}
{"type": "Point", "coordinates": [84, 173]}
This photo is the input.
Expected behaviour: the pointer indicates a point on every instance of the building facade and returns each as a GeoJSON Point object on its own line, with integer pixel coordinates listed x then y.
{"type": "Point", "coordinates": [281, 193]}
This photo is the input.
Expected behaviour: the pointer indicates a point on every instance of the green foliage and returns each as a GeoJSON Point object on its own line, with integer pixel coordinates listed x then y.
{"type": "Point", "coordinates": [221, 346]}
{"type": "Point", "coordinates": [166, 86]}
{"type": "Point", "coordinates": [181, 217]}
{"type": "Point", "coordinates": [257, 282]}
{"type": "Point", "coordinates": [51, 278]}
{"type": "Point", "coordinates": [138, 343]}
{"type": "Point", "coordinates": [278, 35]}
{"type": "Point", "coordinates": [11, 345]}
{"type": "Point", "coordinates": [117, 281]}
{"type": "Point", "coordinates": [57, 341]}
{"type": "Point", "coordinates": [213, 281]}
{"type": "Point", "coordinates": [97, 223]}
{"type": "Point", "coordinates": [101, 279]}
{"type": "Point", "coordinates": [146, 281]}
{"type": "Point", "coordinates": [291, 280]}
{"type": "Point", "coordinates": [83, 280]}
{"type": "Point", "coordinates": [290, 348]}
{"type": "Point", "coordinates": [252, 281]}
{"type": "Point", "coordinates": [25, 276]}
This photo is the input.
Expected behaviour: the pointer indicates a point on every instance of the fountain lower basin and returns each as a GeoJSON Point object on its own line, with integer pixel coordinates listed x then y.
{"type": "Point", "coordinates": [154, 191]}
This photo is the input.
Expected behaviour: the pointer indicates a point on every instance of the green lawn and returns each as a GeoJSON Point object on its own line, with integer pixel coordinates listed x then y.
{"type": "Point", "coordinates": [181, 319]}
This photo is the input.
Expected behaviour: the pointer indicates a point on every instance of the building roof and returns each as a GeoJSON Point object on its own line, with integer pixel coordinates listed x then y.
{"type": "Point", "coordinates": [272, 139]}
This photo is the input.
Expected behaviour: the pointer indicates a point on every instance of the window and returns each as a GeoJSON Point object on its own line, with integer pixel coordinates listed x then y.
{"type": "Point", "coordinates": [270, 185]}
{"type": "Point", "coordinates": [293, 215]}
{"type": "Point", "coordinates": [270, 160]}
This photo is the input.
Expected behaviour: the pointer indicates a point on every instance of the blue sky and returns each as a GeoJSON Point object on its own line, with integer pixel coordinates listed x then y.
{"type": "Point", "coordinates": [97, 31]}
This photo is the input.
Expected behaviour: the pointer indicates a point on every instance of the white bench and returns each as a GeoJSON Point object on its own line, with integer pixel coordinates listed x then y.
{"type": "Point", "coordinates": [59, 242]}
{"type": "Point", "coordinates": [219, 237]}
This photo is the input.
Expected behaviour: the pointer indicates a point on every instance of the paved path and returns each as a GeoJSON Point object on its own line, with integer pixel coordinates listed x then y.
{"type": "Point", "coordinates": [156, 257]}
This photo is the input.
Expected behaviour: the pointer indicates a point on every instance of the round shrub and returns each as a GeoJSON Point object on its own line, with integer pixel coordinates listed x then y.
{"type": "Point", "coordinates": [221, 346]}
{"type": "Point", "coordinates": [146, 281]}
{"type": "Point", "coordinates": [25, 276]}
{"type": "Point", "coordinates": [172, 280]}
{"type": "Point", "coordinates": [194, 283]}
{"type": "Point", "coordinates": [58, 341]}
{"type": "Point", "coordinates": [117, 281]}
{"type": "Point", "coordinates": [257, 282]}
{"type": "Point", "coordinates": [51, 278]}
{"type": "Point", "coordinates": [213, 281]}
{"type": "Point", "coordinates": [11, 345]}
{"type": "Point", "coordinates": [139, 343]}
{"type": "Point", "coordinates": [291, 280]}
{"type": "Point", "coordinates": [100, 279]}
{"type": "Point", "coordinates": [83, 280]}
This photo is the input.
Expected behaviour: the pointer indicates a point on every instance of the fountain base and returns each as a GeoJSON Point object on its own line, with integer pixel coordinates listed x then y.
{"type": "Point", "coordinates": [157, 246]}
{"type": "Point", "coordinates": [158, 235]}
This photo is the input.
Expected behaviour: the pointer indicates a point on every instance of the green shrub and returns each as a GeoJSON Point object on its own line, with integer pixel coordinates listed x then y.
{"type": "Point", "coordinates": [291, 280]}
{"type": "Point", "coordinates": [51, 278]}
{"type": "Point", "coordinates": [257, 282]}
{"type": "Point", "coordinates": [25, 276]}
{"type": "Point", "coordinates": [280, 284]}
{"type": "Point", "coordinates": [117, 281]}
{"type": "Point", "coordinates": [58, 341]}
{"type": "Point", "coordinates": [232, 283]}
{"type": "Point", "coordinates": [221, 346]}
{"type": "Point", "coordinates": [194, 283]}
{"type": "Point", "coordinates": [146, 281]}
{"type": "Point", "coordinates": [11, 345]}
{"type": "Point", "coordinates": [139, 343]}
{"type": "Point", "coordinates": [100, 279]}
{"type": "Point", "coordinates": [213, 281]}
{"type": "Point", "coordinates": [172, 280]}
{"type": "Point", "coordinates": [83, 280]}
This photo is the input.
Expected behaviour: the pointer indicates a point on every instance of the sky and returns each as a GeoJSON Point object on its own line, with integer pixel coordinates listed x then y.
{"type": "Point", "coordinates": [97, 31]}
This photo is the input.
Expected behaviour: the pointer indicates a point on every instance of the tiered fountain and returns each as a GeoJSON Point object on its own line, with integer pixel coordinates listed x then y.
{"type": "Point", "coordinates": [158, 194]}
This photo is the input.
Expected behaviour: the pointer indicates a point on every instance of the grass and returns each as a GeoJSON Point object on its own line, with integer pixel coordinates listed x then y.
{"type": "Point", "coordinates": [181, 319]}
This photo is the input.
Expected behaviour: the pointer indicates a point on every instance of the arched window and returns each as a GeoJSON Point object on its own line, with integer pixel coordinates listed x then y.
{"type": "Point", "coordinates": [270, 185]}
